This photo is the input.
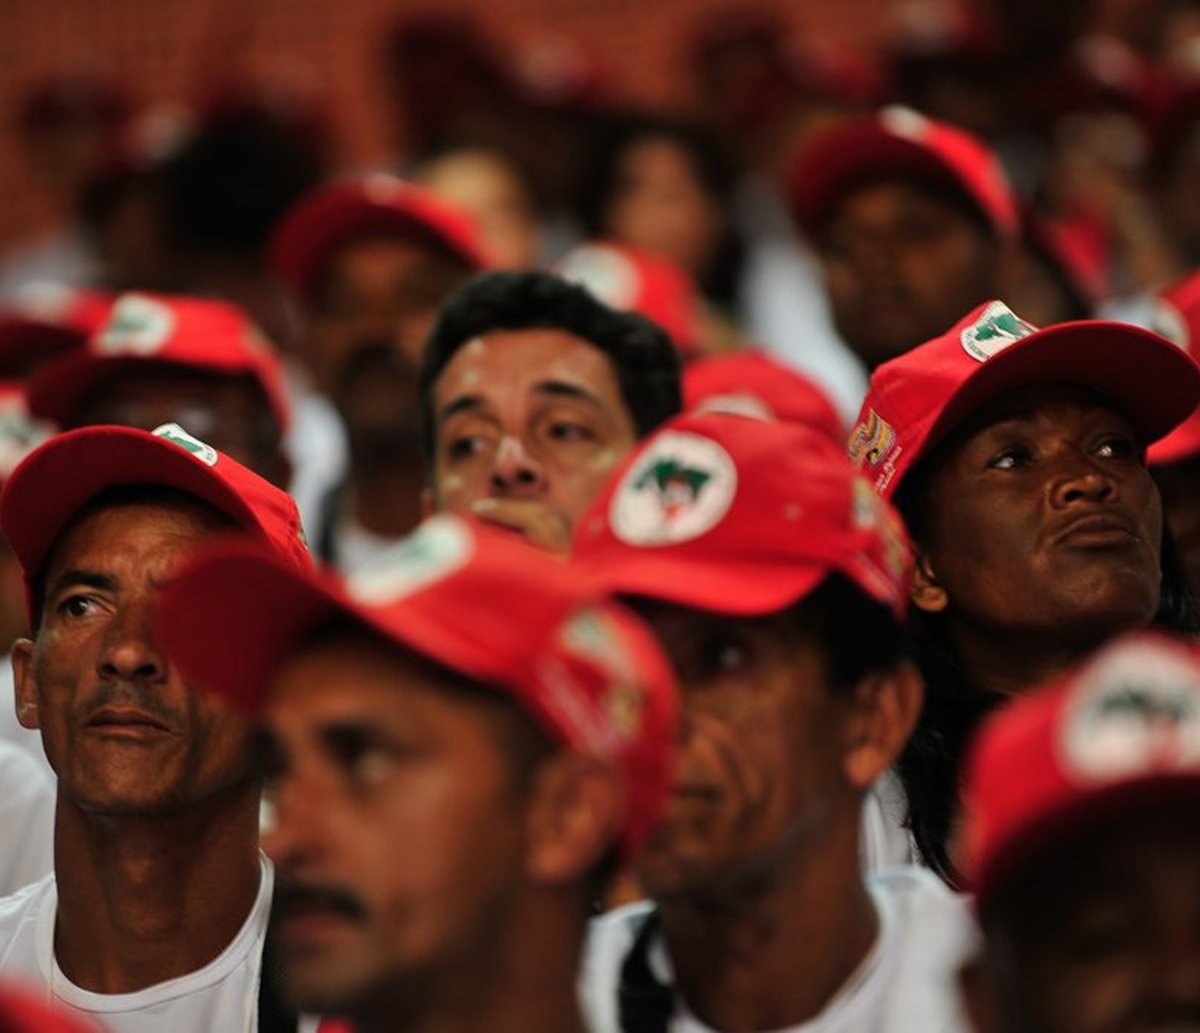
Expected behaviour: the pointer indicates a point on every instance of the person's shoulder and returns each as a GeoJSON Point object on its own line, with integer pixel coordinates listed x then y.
{"type": "Point", "coordinates": [25, 901]}
{"type": "Point", "coordinates": [917, 900]}
{"type": "Point", "coordinates": [610, 937]}
{"type": "Point", "coordinates": [20, 918]}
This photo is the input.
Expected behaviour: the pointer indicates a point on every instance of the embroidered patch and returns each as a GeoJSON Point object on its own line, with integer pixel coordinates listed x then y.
{"type": "Point", "coordinates": [137, 325]}
{"type": "Point", "coordinates": [175, 434]}
{"type": "Point", "coordinates": [871, 441]}
{"type": "Point", "coordinates": [996, 329]}
{"type": "Point", "coordinates": [680, 488]}
{"type": "Point", "coordinates": [1136, 713]}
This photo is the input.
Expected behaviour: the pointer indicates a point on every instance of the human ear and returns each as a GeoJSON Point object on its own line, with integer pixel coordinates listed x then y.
{"type": "Point", "coordinates": [886, 707]}
{"type": "Point", "coordinates": [25, 691]}
{"type": "Point", "coordinates": [575, 810]}
{"type": "Point", "coordinates": [926, 592]}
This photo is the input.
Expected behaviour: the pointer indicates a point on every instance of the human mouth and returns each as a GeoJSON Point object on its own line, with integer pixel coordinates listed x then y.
{"type": "Point", "coordinates": [301, 915]}
{"type": "Point", "coordinates": [1098, 531]}
{"type": "Point", "coordinates": [126, 721]}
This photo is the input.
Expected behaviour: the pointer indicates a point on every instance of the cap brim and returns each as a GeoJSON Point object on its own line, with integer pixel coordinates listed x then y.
{"type": "Point", "coordinates": [1153, 383]}
{"type": "Point", "coordinates": [231, 617]}
{"type": "Point", "coordinates": [737, 588]}
{"type": "Point", "coordinates": [65, 473]}
{"type": "Point", "coordinates": [1182, 443]}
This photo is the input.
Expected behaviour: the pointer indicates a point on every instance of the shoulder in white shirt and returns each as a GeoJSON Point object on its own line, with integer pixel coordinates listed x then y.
{"type": "Point", "coordinates": [907, 982]}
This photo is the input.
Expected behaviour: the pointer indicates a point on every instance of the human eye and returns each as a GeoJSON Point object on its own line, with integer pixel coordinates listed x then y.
{"type": "Point", "coordinates": [1010, 457]}
{"type": "Point", "coordinates": [365, 759]}
{"type": "Point", "coordinates": [569, 430]}
{"type": "Point", "coordinates": [1118, 446]}
{"type": "Point", "coordinates": [76, 605]}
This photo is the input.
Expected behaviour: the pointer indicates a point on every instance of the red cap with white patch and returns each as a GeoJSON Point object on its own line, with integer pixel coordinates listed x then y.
{"type": "Point", "coordinates": [473, 599]}
{"type": "Point", "coordinates": [741, 516]}
{"type": "Point", "coordinates": [150, 330]}
{"type": "Point", "coordinates": [917, 399]}
{"type": "Point", "coordinates": [1121, 731]}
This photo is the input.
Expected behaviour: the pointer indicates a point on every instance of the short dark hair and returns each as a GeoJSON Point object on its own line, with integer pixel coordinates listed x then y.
{"type": "Point", "coordinates": [646, 363]}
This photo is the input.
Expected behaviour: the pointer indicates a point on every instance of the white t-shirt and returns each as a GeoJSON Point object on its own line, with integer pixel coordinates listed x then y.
{"type": "Point", "coordinates": [886, 843]}
{"type": "Point", "coordinates": [221, 997]}
{"type": "Point", "coordinates": [26, 819]}
{"type": "Point", "coordinates": [905, 984]}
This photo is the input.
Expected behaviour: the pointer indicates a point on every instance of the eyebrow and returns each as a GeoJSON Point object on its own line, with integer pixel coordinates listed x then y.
{"type": "Point", "coordinates": [83, 579]}
{"type": "Point", "coordinates": [553, 388]}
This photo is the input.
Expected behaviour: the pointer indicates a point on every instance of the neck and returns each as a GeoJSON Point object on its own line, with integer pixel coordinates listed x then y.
{"type": "Point", "coordinates": [520, 979]}
{"type": "Point", "coordinates": [145, 899]}
{"type": "Point", "coordinates": [1011, 665]}
{"type": "Point", "coordinates": [387, 502]}
{"type": "Point", "coordinates": [773, 954]}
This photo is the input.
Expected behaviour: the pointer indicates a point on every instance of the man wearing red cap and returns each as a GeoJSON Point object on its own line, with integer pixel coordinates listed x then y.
{"type": "Point", "coordinates": [368, 260]}
{"type": "Point", "coordinates": [914, 221]}
{"type": "Point", "coordinates": [459, 744]}
{"type": "Point", "coordinates": [1080, 841]}
{"type": "Point", "coordinates": [777, 583]}
{"type": "Point", "coordinates": [155, 915]}
{"type": "Point", "coordinates": [160, 359]}
{"type": "Point", "coordinates": [532, 391]}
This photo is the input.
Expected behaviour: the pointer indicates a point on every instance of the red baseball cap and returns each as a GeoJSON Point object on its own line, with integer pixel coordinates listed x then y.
{"type": "Point", "coordinates": [917, 399]}
{"type": "Point", "coordinates": [741, 516]}
{"type": "Point", "coordinates": [632, 280]}
{"type": "Point", "coordinates": [473, 599]}
{"type": "Point", "coordinates": [56, 479]}
{"type": "Point", "coordinates": [1178, 319]}
{"type": "Point", "coordinates": [148, 330]}
{"type": "Point", "coordinates": [753, 384]}
{"type": "Point", "coordinates": [1121, 731]}
{"type": "Point", "coordinates": [330, 215]}
{"type": "Point", "coordinates": [898, 143]}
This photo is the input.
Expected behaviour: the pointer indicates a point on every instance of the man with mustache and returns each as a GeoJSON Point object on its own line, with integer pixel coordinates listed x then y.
{"type": "Point", "coordinates": [155, 915]}
{"type": "Point", "coordinates": [368, 261]}
{"type": "Point", "coordinates": [459, 745]}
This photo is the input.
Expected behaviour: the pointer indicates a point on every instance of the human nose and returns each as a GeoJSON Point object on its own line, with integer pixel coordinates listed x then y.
{"type": "Point", "coordinates": [514, 470]}
{"type": "Point", "coordinates": [1081, 480]}
{"type": "Point", "coordinates": [131, 652]}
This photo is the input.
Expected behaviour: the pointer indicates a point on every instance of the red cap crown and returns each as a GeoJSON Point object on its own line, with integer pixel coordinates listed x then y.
{"type": "Point", "coordinates": [1121, 730]}
{"type": "Point", "coordinates": [899, 143]}
{"type": "Point", "coordinates": [754, 384]}
{"type": "Point", "coordinates": [330, 215]}
{"type": "Point", "coordinates": [630, 280]}
{"type": "Point", "coordinates": [472, 599]}
{"type": "Point", "coordinates": [55, 480]}
{"type": "Point", "coordinates": [915, 400]}
{"type": "Point", "coordinates": [741, 516]}
{"type": "Point", "coordinates": [146, 329]}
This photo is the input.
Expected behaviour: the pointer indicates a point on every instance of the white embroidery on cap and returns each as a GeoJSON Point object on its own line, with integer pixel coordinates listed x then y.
{"type": "Point", "coordinates": [995, 329]}
{"type": "Point", "coordinates": [175, 434]}
{"type": "Point", "coordinates": [678, 489]}
{"type": "Point", "coordinates": [1136, 712]}
{"type": "Point", "coordinates": [137, 325]}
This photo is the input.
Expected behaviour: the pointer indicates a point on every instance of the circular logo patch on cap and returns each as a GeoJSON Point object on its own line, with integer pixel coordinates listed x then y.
{"type": "Point", "coordinates": [607, 274]}
{"type": "Point", "coordinates": [679, 488]}
{"type": "Point", "coordinates": [995, 329]}
{"type": "Point", "coordinates": [1136, 713]}
{"type": "Point", "coordinates": [137, 325]}
{"type": "Point", "coordinates": [434, 551]}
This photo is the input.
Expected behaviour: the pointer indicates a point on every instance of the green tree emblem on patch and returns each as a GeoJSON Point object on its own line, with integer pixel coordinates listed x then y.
{"type": "Point", "coordinates": [677, 484]}
{"type": "Point", "coordinates": [1004, 324]}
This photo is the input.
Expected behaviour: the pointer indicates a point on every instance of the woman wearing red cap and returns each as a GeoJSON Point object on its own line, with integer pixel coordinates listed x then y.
{"type": "Point", "coordinates": [1017, 457]}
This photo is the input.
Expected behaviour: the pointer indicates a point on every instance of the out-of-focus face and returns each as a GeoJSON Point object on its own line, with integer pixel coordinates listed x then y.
{"type": "Point", "coordinates": [529, 425]}
{"type": "Point", "coordinates": [1103, 936]}
{"type": "Point", "coordinates": [123, 731]}
{"type": "Point", "coordinates": [902, 265]}
{"type": "Point", "coordinates": [377, 288]}
{"type": "Point", "coordinates": [659, 204]}
{"type": "Point", "coordinates": [1045, 520]}
{"type": "Point", "coordinates": [397, 832]}
{"type": "Point", "coordinates": [485, 185]}
{"type": "Point", "coordinates": [760, 765]}
{"type": "Point", "coordinates": [230, 413]}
